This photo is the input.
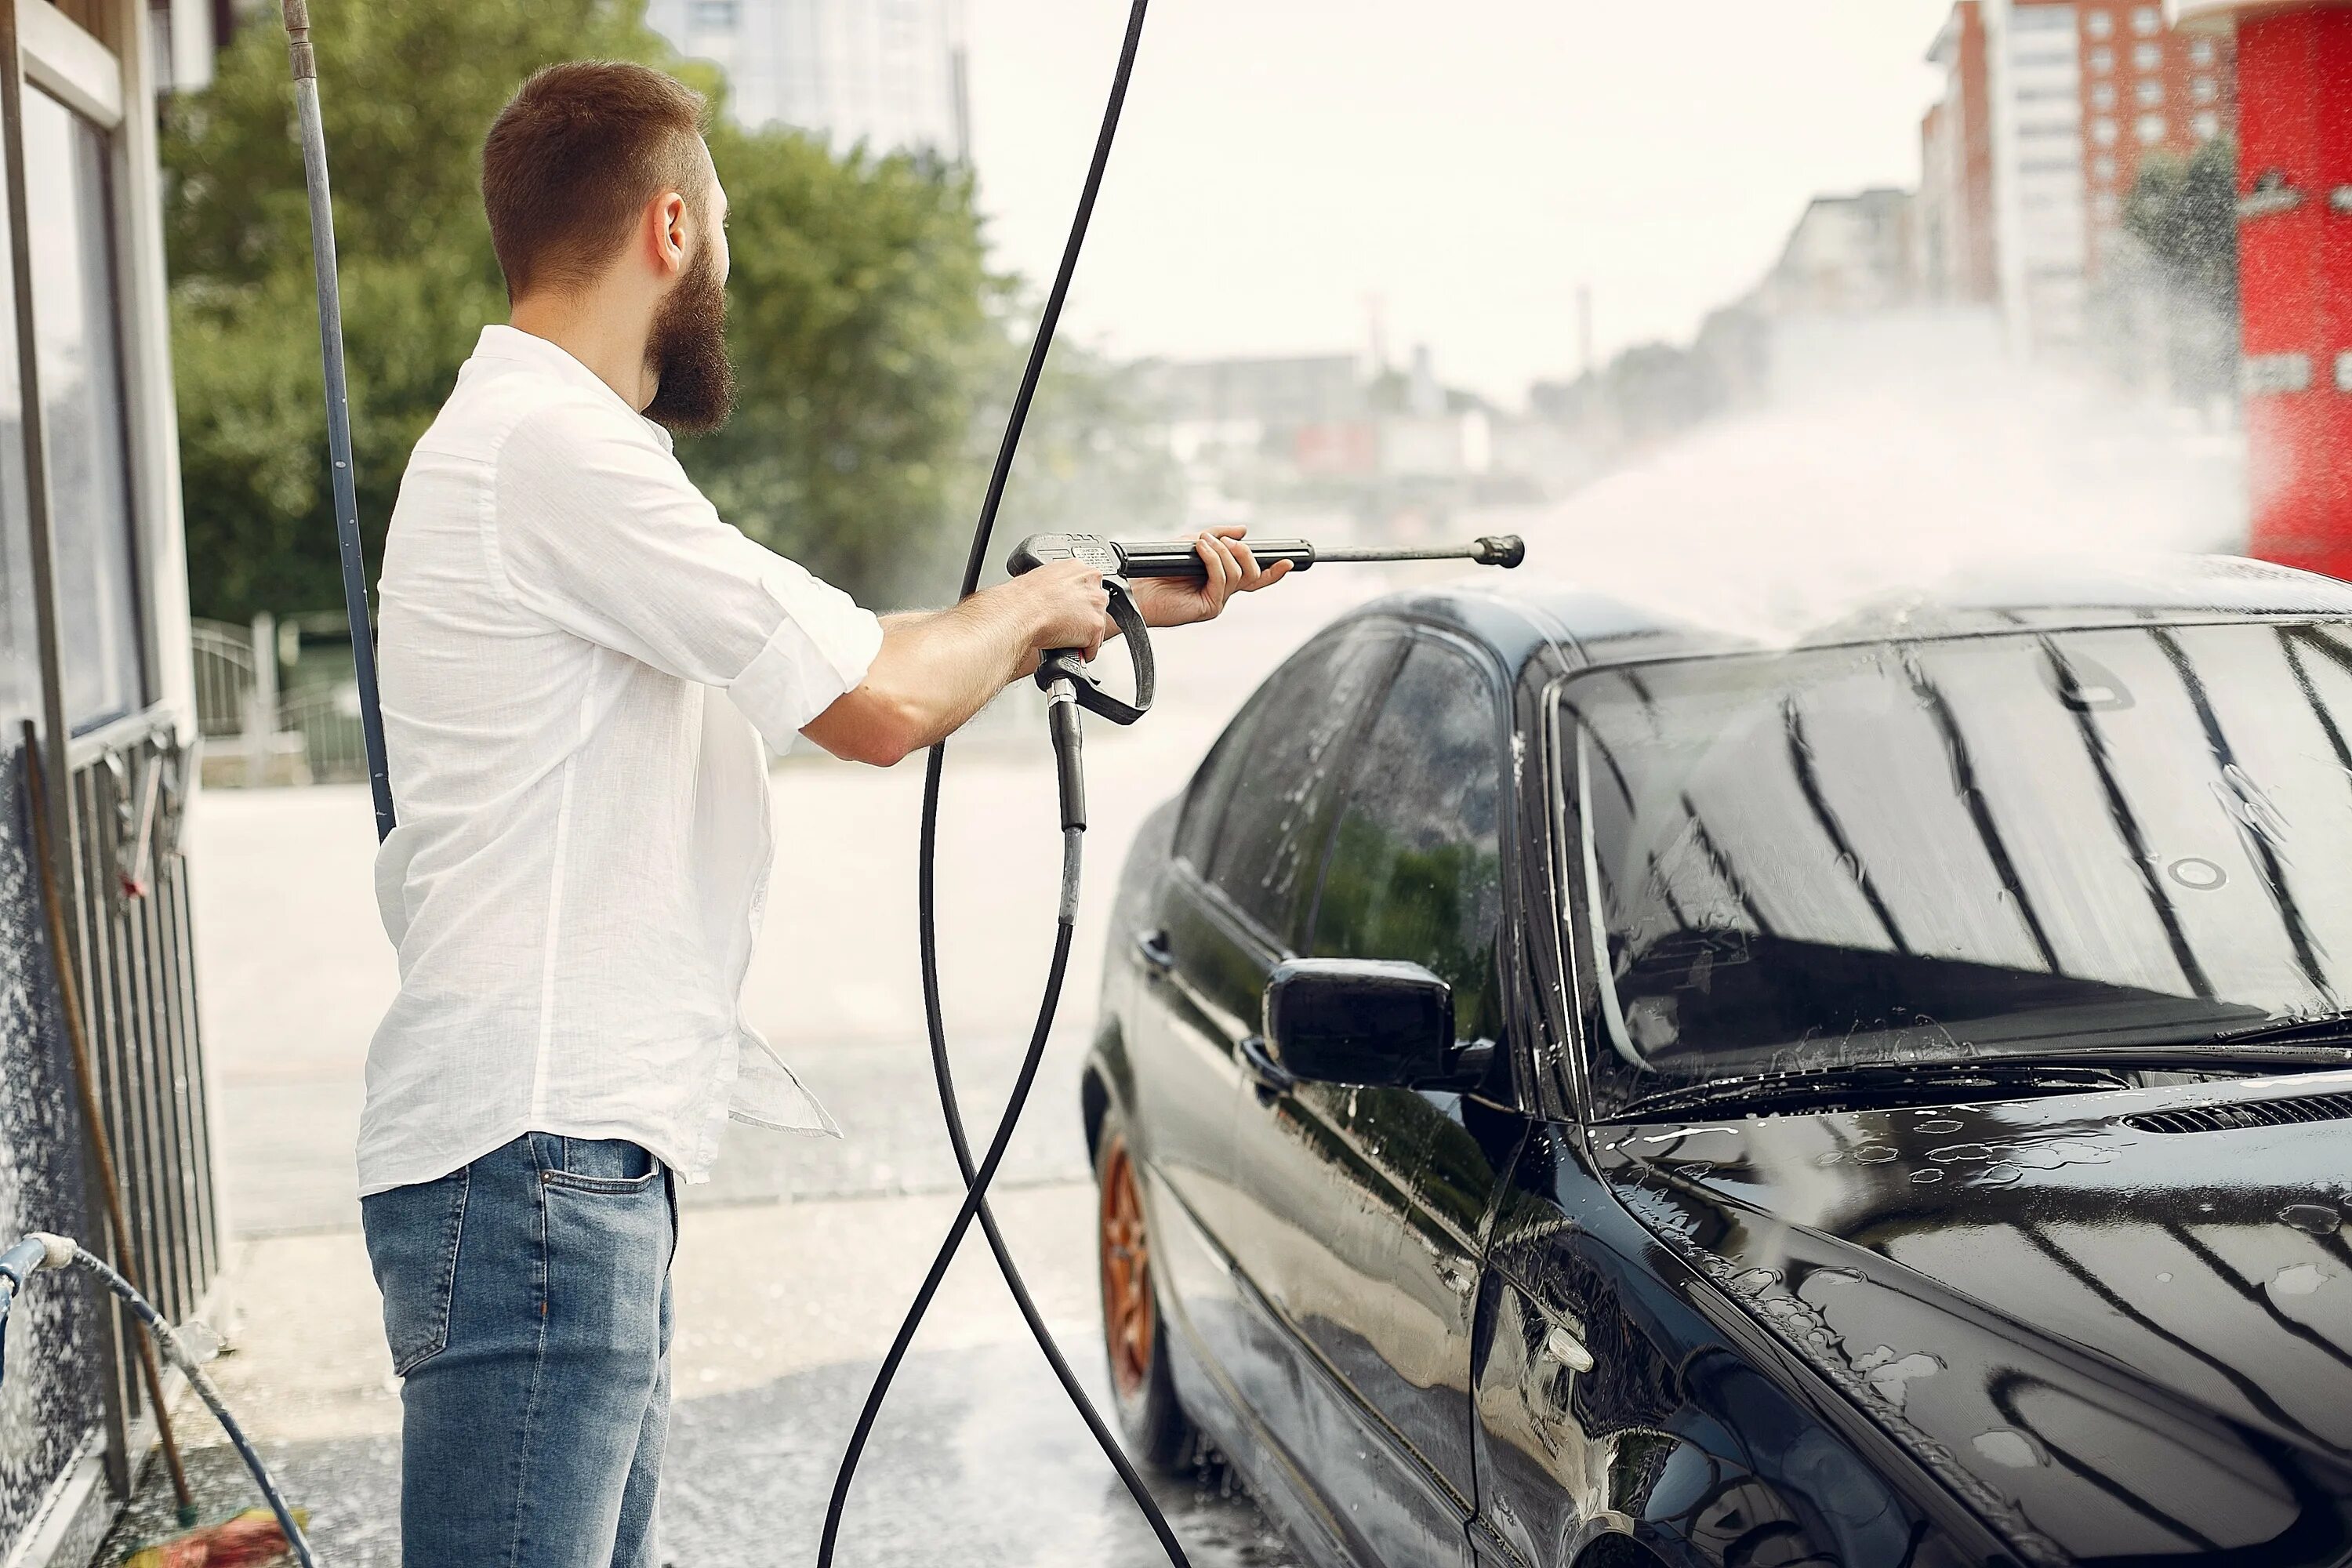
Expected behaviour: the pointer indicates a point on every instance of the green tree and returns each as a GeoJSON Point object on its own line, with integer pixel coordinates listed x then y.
{"type": "Point", "coordinates": [2185, 211]}
{"type": "Point", "coordinates": [860, 300]}
{"type": "Point", "coordinates": [859, 322]}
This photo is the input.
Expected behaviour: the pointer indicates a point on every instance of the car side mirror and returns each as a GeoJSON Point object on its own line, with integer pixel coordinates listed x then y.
{"type": "Point", "coordinates": [1366, 1022]}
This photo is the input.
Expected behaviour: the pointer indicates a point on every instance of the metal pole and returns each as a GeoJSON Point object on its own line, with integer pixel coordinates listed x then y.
{"type": "Point", "coordinates": [261, 702]}
{"type": "Point", "coordinates": [339, 409]}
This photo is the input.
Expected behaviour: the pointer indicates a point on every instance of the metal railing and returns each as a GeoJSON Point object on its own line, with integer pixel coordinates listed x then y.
{"type": "Point", "coordinates": [307, 735]}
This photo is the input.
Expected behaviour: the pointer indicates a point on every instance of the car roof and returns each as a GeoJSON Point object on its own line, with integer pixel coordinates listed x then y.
{"type": "Point", "coordinates": [1523, 617]}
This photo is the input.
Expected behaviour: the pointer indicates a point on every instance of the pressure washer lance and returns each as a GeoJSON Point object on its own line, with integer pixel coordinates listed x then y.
{"type": "Point", "coordinates": [41, 1251]}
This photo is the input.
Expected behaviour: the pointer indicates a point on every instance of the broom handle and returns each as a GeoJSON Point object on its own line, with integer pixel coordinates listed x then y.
{"type": "Point", "coordinates": [126, 1251]}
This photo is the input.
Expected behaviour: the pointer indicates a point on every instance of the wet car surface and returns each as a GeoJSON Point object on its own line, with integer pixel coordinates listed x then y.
{"type": "Point", "coordinates": [1888, 1098]}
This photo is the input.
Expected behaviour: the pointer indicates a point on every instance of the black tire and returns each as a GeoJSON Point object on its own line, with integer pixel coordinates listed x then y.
{"type": "Point", "coordinates": [1135, 1329]}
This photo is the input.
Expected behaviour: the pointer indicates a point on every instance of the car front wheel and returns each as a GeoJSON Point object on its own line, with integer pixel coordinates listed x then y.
{"type": "Point", "coordinates": [1134, 1334]}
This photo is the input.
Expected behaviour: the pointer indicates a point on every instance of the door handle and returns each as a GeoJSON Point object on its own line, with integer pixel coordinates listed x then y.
{"type": "Point", "coordinates": [1267, 1076]}
{"type": "Point", "coordinates": [1159, 958]}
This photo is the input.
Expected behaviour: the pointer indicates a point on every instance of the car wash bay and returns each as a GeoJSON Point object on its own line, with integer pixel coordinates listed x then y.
{"type": "Point", "coordinates": [794, 1261]}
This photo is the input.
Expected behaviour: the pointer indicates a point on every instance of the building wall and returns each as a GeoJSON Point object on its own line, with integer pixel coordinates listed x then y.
{"type": "Point", "coordinates": [2147, 88]}
{"type": "Point", "coordinates": [1847, 255]}
{"type": "Point", "coordinates": [2036, 61]}
{"type": "Point", "coordinates": [888, 73]}
{"type": "Point", "coordinates": [1957, 251]}
{"type": "Point", "coordinates": [116, 725]}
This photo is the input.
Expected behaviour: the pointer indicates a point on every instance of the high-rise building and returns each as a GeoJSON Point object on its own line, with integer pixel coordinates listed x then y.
{"type": "Point", "coordinates": [888, 73]}
{"type": "Point", "coordinates": [2050, 108]}
{"type": "Point", "coordinates": [1955, 208]}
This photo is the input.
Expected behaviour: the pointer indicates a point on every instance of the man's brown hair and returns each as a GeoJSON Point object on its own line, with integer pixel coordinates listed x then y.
{"type": "Point", "coordinates": [573, 158]}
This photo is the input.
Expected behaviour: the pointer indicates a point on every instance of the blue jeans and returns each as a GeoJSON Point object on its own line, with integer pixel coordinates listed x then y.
{"type": "Point", "coordinates": [526, 1300]}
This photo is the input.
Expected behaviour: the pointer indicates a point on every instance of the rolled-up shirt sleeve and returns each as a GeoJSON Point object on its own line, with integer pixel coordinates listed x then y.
{"type": "Point", "coordinates": [596, 528]}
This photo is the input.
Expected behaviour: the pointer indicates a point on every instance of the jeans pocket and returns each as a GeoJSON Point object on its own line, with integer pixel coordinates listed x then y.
{"type": "Point", "coordinates": [413, 1236]}
{"type": "Point", "coordinates": [611, 1166]}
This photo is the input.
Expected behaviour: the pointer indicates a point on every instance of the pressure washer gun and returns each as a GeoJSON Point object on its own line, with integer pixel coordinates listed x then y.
{"type": "Point", "coordinates": [1063, 674]}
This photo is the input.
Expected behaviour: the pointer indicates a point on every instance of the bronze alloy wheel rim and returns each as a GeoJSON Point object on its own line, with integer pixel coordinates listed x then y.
{"type": "Point", "coordinates": [1126, 1274]}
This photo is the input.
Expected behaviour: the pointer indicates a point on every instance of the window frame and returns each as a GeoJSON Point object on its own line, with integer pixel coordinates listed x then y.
{"type": "Point", "coordinates": [102, 87]}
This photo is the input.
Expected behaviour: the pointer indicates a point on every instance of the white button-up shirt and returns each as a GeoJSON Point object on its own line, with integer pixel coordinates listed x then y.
{"type": "Point", "coordinates": [583, 842]}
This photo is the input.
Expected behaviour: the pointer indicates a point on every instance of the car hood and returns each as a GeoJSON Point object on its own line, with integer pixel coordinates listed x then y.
{"type": "Point", "coordinates": [2109, 1336]}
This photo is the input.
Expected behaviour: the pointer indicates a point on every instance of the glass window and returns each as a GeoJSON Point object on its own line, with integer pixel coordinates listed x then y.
{"type": "Point", "coordinates": [2099, 23]}
{"type": "Point", "coordinates": [711, 16]}
{"type": "Point", "coordinates": [2201, 51]}
{"type": "Point", "coordinates": [2103, 132]}
{"type": "Point", "coordinates": [2207, 126]}
{"type": "Point", "coordinates": [2150, 93]}
{"type": "Point", "coordinates": [2151, 129]}
{"type": "Point", "coordinates": [2204, 89]}
{"type": "Point", "coordinates": [2102, 59]}
{"type": "Point", "coordinates": [66, 174]}
{"type": "Point", "coordinates": [1220, 773]}
{"type": "Point", "coordinates": [2105, 208]}
{"type": "Point", "coordinates": [1283, 774]}
{"type": "Point", "coordinates": [2147, 21]}
{"type": "Point", "coordinates": [1416, 868]}
{"type": "Point", "coordinates": [2102, 95]}
{"type": "Point", "coordinates": [2102, 169]}
{"type": "Point", "coordinates": [2148, 56]}
{"type": "Point", "coordinates": [1966, 847]}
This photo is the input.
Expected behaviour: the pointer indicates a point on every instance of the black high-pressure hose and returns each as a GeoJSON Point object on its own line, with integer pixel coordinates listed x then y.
{"type": "Point", "coordinates": [976, 1178]}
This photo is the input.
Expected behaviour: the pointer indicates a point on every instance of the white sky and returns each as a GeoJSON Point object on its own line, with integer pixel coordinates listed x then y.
{"type": "Point", "coordinates": [1468, 161]}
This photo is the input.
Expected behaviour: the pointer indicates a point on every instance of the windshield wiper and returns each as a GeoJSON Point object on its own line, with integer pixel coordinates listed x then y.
{"type": "Point", "coordinates": [2329, 1027]}
{"type": "Point", "coordinates": [1758, 1091]}
{"type": "Point", "coordinates": [2243, 1049]}
{"type": "Point", "coordinates": [2087, 1069]}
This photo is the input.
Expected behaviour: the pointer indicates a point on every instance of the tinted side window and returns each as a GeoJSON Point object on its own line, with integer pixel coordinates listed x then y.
{"type": "Point", "coordinates": [1270, 827]}
{"type": "Point", "coordinates": [1415, 867]}
{"type": "Point", "coordinates": [1212, 786]}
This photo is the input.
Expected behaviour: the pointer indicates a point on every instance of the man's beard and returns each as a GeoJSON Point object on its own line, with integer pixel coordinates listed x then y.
{"type": "Point", "coordinates": [695, 387]}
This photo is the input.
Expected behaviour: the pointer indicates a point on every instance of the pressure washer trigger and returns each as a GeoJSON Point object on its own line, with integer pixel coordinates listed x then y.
{"type": "Point", "coordinates": [1068, 664]}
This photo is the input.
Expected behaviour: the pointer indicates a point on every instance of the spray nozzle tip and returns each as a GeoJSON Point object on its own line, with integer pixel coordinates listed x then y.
{"type": "Point", "coordinates": [1506, 550]}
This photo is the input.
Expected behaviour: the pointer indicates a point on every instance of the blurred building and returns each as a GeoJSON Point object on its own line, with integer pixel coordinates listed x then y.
{"type": "Point", "coordinates": [1852, 255]}
{"type": "Point", "coordinates": [1955, 214]}
{"type": "Point", "coordinates": [2049, 109]}
{"type": "Point", "coordinates": [183, 36]}
{"type": "Point", "coordinates": [890, 73]}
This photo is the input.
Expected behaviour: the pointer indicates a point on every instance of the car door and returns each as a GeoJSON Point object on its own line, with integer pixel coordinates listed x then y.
{"type": "Point", "coordinates": [1222, 914]}
{"type": "Point", "coordinates": [1366, 1206]}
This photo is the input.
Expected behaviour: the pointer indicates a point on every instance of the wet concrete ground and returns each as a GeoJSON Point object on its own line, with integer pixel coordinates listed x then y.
{"type": "Point", "coordinates": [782, 1312]}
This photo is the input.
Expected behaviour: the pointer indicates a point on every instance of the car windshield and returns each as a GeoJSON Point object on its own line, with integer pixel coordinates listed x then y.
{"type": "Point", "coordinates": [1941, 850]}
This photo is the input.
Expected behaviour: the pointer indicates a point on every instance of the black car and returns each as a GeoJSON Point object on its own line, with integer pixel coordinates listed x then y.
{"type": "Point", "coordinates": [1577, 1088]}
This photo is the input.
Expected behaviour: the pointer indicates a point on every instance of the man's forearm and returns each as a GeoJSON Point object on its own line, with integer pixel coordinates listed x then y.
{"type": "Point", "coordinates": [935, 670]}
{"type": "Point", "coordinates": [947, 664]}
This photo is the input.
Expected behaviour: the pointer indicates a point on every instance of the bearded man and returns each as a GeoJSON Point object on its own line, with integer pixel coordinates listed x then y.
{"type": "Point", "coordinates": [579, 661]}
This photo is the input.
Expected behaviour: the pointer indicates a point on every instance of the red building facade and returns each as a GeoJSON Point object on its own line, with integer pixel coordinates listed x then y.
{"type": "Point", "coordinates": [2295, 250]}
